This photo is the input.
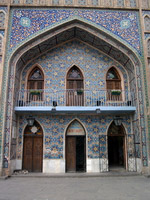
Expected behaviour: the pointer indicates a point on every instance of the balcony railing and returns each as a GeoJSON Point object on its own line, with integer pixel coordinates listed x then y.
{"type": "Point", "coordinates": [89, 98]}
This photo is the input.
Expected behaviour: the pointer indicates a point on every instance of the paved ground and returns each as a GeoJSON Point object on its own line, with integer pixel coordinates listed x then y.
{"type": "Point", "coordinates": [75, 188]}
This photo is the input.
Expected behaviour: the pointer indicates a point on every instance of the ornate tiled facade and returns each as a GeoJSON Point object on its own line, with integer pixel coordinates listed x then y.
{"type": "Point", "coordinates": [57, 62]}
{"type": "Point", "coordinates": [26, 24]}
{"type": "Point", "coordinates": [54, 134]}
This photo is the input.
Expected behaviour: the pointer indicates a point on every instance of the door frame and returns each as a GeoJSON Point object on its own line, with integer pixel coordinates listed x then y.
{"type": "Point", "coordinates": [22, 149]}
{"type": "Point", "coordinates": [125, 153]}
{"type": "Point", "coordinates": [76, 152]}
{"type": "Point", "coordinates": [86, 142]}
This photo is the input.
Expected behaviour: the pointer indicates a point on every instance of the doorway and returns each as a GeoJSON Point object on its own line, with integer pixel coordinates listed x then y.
{"type": "Point", "coordinates": [116, 146]}
{"type": "Point", "coordinates": [75, 154]}
{"type": "Point", "coordinates": [33, 148]}
{"type": "Point", "coordinates": [75, 148]}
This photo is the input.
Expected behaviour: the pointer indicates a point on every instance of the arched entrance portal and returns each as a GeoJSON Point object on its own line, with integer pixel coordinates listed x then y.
{"type": "Point", "coordinates": [116, 146]}
{"type": "Point", "coordinates": [75, 148]}
{"type": "Point", "coordinates": [33, 148]}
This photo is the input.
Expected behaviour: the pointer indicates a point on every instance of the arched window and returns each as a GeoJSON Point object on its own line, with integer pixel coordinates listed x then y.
{"type": "Point", "coordinates": [75, 93]}
{"type": "Point", "coordinates": [113, 84]}
{"type": "Point", "coordinates": [147, 23]}
{"type": "Point", "coordinates": [36, 79]}
{"type": "Point", "coordinates": [35, 84]}
{"type": "Point", "coordinates": [2, 19]}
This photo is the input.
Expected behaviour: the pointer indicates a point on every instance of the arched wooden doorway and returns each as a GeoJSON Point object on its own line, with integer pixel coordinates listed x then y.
{"type": "Point", "coordinates": [75, 88]}
{"type": "Point", "coordinates": [116, 146]}
{"type": "Point", "coordinates": [33, 148]}
{"type": "Point", "coordinates": [75, 148]}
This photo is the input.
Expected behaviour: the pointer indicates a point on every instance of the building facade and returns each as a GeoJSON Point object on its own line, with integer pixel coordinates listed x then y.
{"type": "Point", "coordinates": [74, 85]}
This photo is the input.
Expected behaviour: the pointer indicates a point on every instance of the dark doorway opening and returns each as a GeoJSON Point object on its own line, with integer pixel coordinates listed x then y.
{"type": "Point", "coordinates": [75, 154]}
{"type": "Point", "coordinates": [116, 146]}
{"type": "Point", "coordinates": [115, 151]}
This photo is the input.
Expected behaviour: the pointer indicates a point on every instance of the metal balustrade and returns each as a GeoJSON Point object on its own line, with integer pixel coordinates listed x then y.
{"type": "Point", "coordinates": [69, 97]}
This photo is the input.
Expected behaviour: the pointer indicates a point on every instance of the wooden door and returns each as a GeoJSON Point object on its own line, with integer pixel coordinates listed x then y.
{"type": "Point", "coordinates": [71, 154]}
{"type": "Point", "coordinates": [33, 153]}
{"type": "Point", "coordinates": [37, 154]}
{"type": "Point", "coordinates": [27, 154]}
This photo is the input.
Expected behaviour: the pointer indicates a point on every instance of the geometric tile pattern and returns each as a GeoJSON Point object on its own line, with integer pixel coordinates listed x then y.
{"type": "Point", "coordinates": [82, 2]}
{"type": "Point", "coordinates": [94, 2]}
{"type": "Point", "coordinates": [120, 3]}
{"type": "Point", "coordinates": [2, 32]}
{"type": "Point", "coordinates": [133, 3]}
{"type": "Point", "coordinates": [0, 44]}
{"type": "Point", "coordinates": [55, 2]}
{"type": "Point", "coordinates": [68, 2]}
{"type": "Point", "coordinates": [54, 134]}
{"type": "Point", "coordinates": [148, 47]}
{"type": "Point", "coordinates": [29, 1]}
{"type": "Point", "coordinates": [63, 58]}
{"type": "Point", "coordinates": [55, 70]}
{"type": "Point", "coordinates": [123, 24]}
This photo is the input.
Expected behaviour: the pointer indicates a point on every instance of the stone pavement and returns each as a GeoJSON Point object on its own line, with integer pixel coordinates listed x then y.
{"type": "Point", "coordinates": [76, 187]}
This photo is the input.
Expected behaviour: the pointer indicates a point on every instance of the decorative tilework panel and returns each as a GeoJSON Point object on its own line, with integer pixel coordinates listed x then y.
{"type": "Point", "coordinates": [3, 8]}
{"type": "Point", "coordinates": [147, 23]}
{"type": "Point", "coordinates": [55, 2]}
{"type": "Point", "coordinates": [16, 2]}
{"type": "Point", "coordinates": [145, 4]}
{"type": "Point", "coordinates": [103, 146]}
{"type": "Point", "coordinates": [146, 35]}
{"type": "Point", "coordinates": [2, 32]}
{"type": "Point", "coordinates": [2, 19]}
{"type": "Point", "coordinates": [54, 134]}
{"type": "Point", "coordinates": [29, 1]}
{"type": "Point", "coordinates": [94, 2]}
{"type": "Point", "coordinates": [107, 2]}
{"type": "Point", "coordinates": [148, 47]}
{"type": "Point", "coordinates": [131, 151]}
{"type": "Point", "coordinates": [148, 117]}
{"type": "Point", "coordinates": [68, 2]}
{"type": "Point", "coordinates": [133, 3]}
{"type": "Point", "coordinates": [120, 3]}
{"type": "Point", "coordinates": [123, 24]}
{"type": "Point", "coordinates": [0, 44]}
{"type": "Point", "coordinates": [82, 2]}
{"type": "Point", "coordinates": [56, 63]}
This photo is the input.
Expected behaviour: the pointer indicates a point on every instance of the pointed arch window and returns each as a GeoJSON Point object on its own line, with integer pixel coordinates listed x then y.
{"type": "Point", "coordinates": [36, 79]}
{"type": "Point", "coordinates": [36, 84]}
{"type": "Point", "coordinates": [75, 87]}
{"type": "Point", "coordinates": [113, 83]}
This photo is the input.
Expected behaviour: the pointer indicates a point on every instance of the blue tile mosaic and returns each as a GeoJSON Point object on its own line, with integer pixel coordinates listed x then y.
{"type": "Point", "coordinates": [124, 25]}
{"type": "Point", "coordinates": [53, 143]}
{"type": "Point", "coordinates": [2, 32]}
{"type": "Point", "coordinates": [3, 8]}
{"type": "Point", "coordinates": [55, 74]}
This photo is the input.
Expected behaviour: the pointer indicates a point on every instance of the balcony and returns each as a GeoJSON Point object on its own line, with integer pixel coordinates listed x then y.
{"type": "Point", "coordinates": [64, 101]}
